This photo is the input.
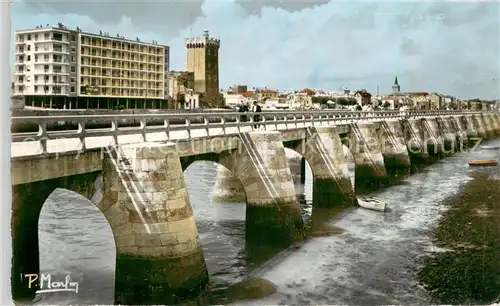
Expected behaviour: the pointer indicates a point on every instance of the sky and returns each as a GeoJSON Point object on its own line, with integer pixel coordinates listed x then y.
{"type": "Point", "coordinates": [447, 47]}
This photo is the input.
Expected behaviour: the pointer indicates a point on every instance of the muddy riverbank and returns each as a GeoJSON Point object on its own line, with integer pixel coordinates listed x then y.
{"type": "Point", "coordinates": [469, 271]}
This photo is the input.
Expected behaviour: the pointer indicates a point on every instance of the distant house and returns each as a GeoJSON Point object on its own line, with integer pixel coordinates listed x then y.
{"type": "Point", "coordinates": [363, 97]}
{"type": "Point", "coordinates": [436, 101]}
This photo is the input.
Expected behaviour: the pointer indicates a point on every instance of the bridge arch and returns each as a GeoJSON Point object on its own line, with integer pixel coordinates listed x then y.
{"type": "Point", "coordinates": [28, 200]}
{"type": "Point", "coordinates": [321, 149]}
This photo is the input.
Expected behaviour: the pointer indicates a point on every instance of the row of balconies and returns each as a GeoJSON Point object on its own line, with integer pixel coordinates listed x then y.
{"type": "Point", "coordinates": [123, 47]}
{"type": "Point", "coordinates": [107, 63]}
{"type": "Point", "coordinates": [160, 62]}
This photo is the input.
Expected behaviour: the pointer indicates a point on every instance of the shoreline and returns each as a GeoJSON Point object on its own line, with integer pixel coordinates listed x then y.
{"type": "Point", "coordinates": [469, 271]}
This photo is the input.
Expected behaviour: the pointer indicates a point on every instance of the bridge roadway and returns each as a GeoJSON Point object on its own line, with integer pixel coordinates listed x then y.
{"type": "Point", "coordinates": [145, 200]}
{"type": "Point", "coordinates": [29, 144]}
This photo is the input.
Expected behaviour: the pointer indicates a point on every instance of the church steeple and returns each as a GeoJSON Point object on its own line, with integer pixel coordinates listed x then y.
{"type": "Point", "coordinates": [396, 87]}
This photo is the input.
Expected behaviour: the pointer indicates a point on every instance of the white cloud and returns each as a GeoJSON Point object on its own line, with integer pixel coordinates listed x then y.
{"type": "Point", "coordinates": [431, 46]}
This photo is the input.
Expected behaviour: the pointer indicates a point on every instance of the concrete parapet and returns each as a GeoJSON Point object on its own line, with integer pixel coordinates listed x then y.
{"type": "Point", "coordinates": [477, 121]}
{"type": "Point", "coordinates": [432, 137]}
{"type": "Point", "coordinates": [273, 213]}
{"type": "Point", "coordinates": [414, 136]}
{"type": "Point", "coordinates": [394, 150]}
{"type": "Point", "coordinates": [228, 188]}
{"type": "Point", "coordinates": [490, 131]}
{"type": "Point", "coordinates": [322, 149]}
{"type": "Point", "coordinates": [448, 134]}
{"type": "Point", "coordinates": [158, 253]}
{"type": "Point", "coordinates": [370, 170]}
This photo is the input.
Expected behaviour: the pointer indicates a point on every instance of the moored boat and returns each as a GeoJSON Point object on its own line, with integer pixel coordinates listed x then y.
{"type": "Point", "coordinates": [372, 203]}
{"type": "Point", "coordinates": [490, 147]}
{"type": "Point", "coordinates": [488, 162]}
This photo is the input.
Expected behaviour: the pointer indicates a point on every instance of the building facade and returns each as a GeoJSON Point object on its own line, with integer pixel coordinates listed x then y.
{"type": "Point", "coordinates": [203, 61]}
{"type": "Point", "coordinates": [60, 68]}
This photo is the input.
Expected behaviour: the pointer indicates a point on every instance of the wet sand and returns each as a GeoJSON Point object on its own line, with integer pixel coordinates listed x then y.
{"type": "Point", "coordinates": [469, 271]}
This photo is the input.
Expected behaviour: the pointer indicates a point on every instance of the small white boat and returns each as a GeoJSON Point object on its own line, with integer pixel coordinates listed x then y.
{"type": "Point", "coordinates": [372, 203]}
{"type": "Point", "coordinates": [490, 147]}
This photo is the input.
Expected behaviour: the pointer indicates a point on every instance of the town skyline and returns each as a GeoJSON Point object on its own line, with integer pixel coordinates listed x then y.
{"type": "Point", "coordinates": [461, 64]}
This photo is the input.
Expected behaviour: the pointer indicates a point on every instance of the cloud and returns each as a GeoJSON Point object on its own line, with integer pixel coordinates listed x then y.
{"type": "Point", "coordinates": [431, 46]}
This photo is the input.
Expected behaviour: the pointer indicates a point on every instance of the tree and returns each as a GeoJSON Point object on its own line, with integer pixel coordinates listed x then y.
{"type": "Point", "coordinates": [320, 100]}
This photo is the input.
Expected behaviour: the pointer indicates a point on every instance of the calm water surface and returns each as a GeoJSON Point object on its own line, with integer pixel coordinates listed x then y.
{"type": "Point", "coordinates": [372, 262]}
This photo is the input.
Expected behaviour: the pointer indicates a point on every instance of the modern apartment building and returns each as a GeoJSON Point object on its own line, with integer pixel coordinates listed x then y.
{"type": "Point", "coordinates": [61, 68]}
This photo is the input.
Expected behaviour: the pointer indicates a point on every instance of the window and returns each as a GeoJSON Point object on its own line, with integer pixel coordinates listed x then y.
{"type": "Point", "coordinates": [28, 58]}
{"type": "Point", "coordinates": [29, 47]}
{"type": "Point", "coordinates": [73, 59]}
{"type": "Point", "coordinates": [73, 69]}
{"type": "Point", "coordinates": [73, 49]}
{"type": "Point", "coordinates": [36, 88]}
{"type": "Point", "coordinates": [29, 36]}
{"type": "Point", "coordinates": [72, 89]}
{"type": "Point", "coordinates": [46, 36]}
{"type": "Point", "coordinates": [46, 58]}
{"type": "Point", "coordinates": [73, 38]}
{"type": "Point", "coordinates": [36, 78]}
{"type": "Point", "coordinates": [72, 80]}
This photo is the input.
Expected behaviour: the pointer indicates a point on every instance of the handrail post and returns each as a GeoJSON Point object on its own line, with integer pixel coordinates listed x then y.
{"type": "Point", "coordinates": [143, 129]}
{"type": "Point", "coordinates": [82, 134]}
{"type": "Point", "coordinates": [42, 133]}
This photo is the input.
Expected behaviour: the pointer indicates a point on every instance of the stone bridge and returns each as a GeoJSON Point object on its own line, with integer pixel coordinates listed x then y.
{"type": "Point", "coordinates": [135, 177]}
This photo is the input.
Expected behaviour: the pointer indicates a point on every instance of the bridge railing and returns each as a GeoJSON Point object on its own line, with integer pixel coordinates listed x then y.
{"type": "Point", "coordinates": [44, 128]}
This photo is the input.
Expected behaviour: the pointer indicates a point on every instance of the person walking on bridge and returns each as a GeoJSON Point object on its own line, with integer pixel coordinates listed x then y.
{"type": "Point", "coordinates": [256, 118]}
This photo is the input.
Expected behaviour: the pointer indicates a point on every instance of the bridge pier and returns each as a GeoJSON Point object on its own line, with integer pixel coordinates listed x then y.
{"type": "Point", "coordinates": [477, 121]}
{"type": "Point", "coordinates": [461, 133]}
{"type": "Point", "coordinates": [228, 188]}
{"type": "Point", "coordinates": [158, 253]}
{"type": "Point", "coordinates": [492, 121]}
{"type": "Point", "coordinates": [369, 170]}
{"type": "Point", "coordinates": [433, 139]}
{"type": "Point", "coordinates": [487, 126]}
{"type": "Point", "coordinates": [414, 137]}
{"type": "Point", "coordinates": [273, 215]}
{"type": "Point", "coordinates": [448, 135]}
{"type": "Point", "coordinates": [322, 149]}
{"type": "Point", "coordinates": [471, 130]}
{"type": "Point", "coordinates": [394, 151]}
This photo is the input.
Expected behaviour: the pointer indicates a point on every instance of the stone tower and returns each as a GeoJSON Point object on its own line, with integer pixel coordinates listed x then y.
{"type": "Point", "coordinates": [396, 88]}
{"type": "Point", "coordinates": [203, 60]}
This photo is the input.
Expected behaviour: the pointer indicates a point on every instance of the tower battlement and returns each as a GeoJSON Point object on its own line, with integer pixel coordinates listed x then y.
{"type": "Point", "coordinates": [202, 42]}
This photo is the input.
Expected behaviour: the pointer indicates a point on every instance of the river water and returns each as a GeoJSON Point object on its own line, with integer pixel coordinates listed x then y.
{"type": "Point", "coordinates": [373, 261]}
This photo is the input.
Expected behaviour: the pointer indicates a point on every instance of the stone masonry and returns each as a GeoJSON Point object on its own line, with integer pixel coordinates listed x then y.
{"type": "Point", "coordinates": [477, 121]}
{"type": "Point", "coordinates": [394, 150]}
{"type": "Point", "coordinates": [273, 213]}
{"type": "Point", "coordinates": [456, 123]}
{"type": "Point", "coordinates": [158, 253]}
{"type": "Point", "coordinates": [414, 136]}
{"type": "Point", "coordinates": [487, 126]}
{"type": "Point", "coordinates": [448, 135]}
{"type": "Point", "coordinates": [228, 188]}
{"type": "Point", "coordinates": [322, 149]}
{"type": "Point", "coordinates": [27, 203]}
{"type": "Point", "coordinates": [369, 170]}
{"type": "Point", "coordinates": [432, 137]}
